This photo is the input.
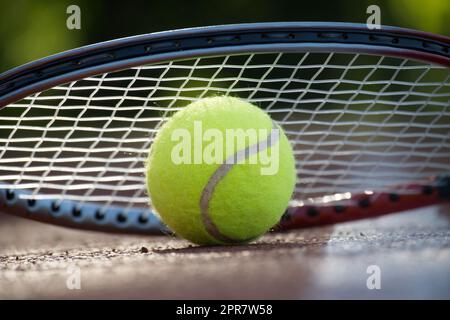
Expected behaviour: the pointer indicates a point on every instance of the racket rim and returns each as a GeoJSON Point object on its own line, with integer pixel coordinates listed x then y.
{"type": "Point", "coordinates": [93, 59]}
{"type": "Point", "coordinates": [327, 46]}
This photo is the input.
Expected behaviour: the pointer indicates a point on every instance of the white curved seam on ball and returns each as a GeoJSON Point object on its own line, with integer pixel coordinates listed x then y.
{"type": "Point", "coordinates": [220, 173]}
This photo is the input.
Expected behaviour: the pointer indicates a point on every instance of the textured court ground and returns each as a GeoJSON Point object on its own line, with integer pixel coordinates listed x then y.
{"type": "Point", "coordinates": [412, 250]}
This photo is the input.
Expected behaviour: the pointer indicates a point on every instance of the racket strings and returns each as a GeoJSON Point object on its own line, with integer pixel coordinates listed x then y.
{"type": "Point", "coordinates": [356, 122]}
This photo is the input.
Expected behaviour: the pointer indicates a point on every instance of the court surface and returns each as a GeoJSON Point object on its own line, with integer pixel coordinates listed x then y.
{"type": "Point", "coordinates": [411, 249]}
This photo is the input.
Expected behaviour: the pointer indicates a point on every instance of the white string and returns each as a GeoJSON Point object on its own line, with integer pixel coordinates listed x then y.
{"type": "Point", "coordinates": [356, 122]}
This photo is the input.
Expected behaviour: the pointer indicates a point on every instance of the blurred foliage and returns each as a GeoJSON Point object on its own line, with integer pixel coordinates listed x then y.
{"type": "Point", "coordinates": [430, 15]}
{"type": "Point", "coordinates": [31, 29]}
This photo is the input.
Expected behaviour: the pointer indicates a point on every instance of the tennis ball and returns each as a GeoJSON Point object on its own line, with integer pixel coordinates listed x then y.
{"type": "Point", "coordinates": [220, 171]}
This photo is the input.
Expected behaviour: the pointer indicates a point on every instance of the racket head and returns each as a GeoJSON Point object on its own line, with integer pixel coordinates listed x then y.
{"type": "Point", "coordinates": [333, 87]}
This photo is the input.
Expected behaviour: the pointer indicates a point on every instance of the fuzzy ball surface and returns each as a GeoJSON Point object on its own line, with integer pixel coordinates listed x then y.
{"type": "Point", "coordinates": [220, 171]}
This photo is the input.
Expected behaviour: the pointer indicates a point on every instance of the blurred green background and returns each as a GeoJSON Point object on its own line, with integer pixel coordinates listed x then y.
{"type": "Point", "coordinates": [31, 29]}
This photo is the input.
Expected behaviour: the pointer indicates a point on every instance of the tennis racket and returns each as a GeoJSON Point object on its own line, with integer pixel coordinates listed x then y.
{"type": "Point", "coordinates": [367, 113]}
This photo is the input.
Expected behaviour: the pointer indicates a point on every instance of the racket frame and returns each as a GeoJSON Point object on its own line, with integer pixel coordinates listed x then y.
{"type": "Point", "coordinates": [125, 53]}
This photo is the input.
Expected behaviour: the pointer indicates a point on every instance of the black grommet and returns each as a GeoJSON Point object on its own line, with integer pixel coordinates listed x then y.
{"type": "Point", "coordinates": [364, 203]}
{"type": "Point", "coordinates": [394, 197]}
{"type": "Point", "coordinates": [31, 202]}
{"type": "Point", "coordinates": [55, 206]}
{"type": "Point", "coordinates": [99, 215]}
{"type": "Point", "coordinates": [9, 194]}
{"type": "Point", "coordinates": [443, 187]}
{"type": "Point", "coordinates": [312, 212]}
{"type": "Point", "coordinates": [427, 190]}
{"type": "Point", "coordinates": [339, 209]}
{"type": "Point", "coordinates": [143, 219]}
{"type": "Point", "coordinates": [121, 217]}
{"type": "Point", "coordinates": [286, 216]}
{"type": "Point", "coordinates": [76, 212]}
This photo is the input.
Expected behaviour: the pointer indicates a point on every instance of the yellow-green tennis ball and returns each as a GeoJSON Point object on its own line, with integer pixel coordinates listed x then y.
{"type": "Point", "coordinates": [220, 171]}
